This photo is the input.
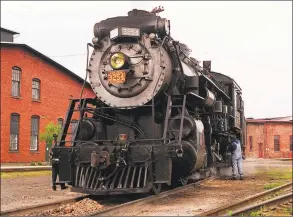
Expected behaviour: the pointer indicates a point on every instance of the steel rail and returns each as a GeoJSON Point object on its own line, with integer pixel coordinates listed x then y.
{"type": "Point", "coordinates": [52, 205]}
{"type": "Point", "coordinates": [40, 207]}
{"type": "Point", "coordinates": [116, 210]}
{"type": "Point", "coordinates": [249, 201]}
{"type": "Point", "coordinates": [268, 204]}
{"type": "Point", "coordinates": [25, 169]}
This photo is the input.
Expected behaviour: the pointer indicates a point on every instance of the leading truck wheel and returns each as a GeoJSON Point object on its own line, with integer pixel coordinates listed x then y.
{"type": "Point", "coordinates": [183, 181]}
{"type": "Point", "coordinates": [157, 187]}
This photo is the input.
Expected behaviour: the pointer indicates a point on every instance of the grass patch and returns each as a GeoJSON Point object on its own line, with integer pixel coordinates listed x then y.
{"type": "Point", "coordinates": [289, 211]}
{"type": "Point", "coordinates": [256, 213]}
{"type": "Point", "coordinates": [5, 175]}
{"type": "Point", "coordinates": [277, 174]}
{"type": "Point", "coordinates": [36, 163]}
{"type": "Point", "coordinates": [275, 177]}
{"type": "Point", "coordinates": [229, 213]}
{"type": "Point", "coordinates": [271, 185]}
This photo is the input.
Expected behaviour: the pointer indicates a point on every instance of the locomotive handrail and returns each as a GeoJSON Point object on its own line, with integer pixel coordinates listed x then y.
{"type": "Point", "coordinates": [118, 141]}
{"type": "Point", "coordinates": [86, 74]}
{"type": "Point", "coordinates": [134, 126]}
{"type": "Point", "coordinates": [204, 71]}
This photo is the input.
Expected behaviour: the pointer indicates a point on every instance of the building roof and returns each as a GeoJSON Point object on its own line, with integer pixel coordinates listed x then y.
{"type": "Point", "coordinates": [9, 31]}
{"type": "Point", "coordinates": [287, 119]}
{"type": "Point", "coordinates": [59, 66]}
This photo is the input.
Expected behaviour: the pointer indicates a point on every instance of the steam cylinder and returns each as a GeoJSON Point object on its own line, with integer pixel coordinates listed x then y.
{"type": "Point", "coordinates": [185, 165]}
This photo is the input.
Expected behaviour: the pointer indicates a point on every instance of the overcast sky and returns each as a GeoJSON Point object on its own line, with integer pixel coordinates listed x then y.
{"type": "Point", "coordinates": [247, 40]}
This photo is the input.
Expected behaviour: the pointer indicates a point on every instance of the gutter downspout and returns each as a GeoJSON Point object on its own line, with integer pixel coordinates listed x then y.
{"type": "Point", "coordinates": [265, 139]}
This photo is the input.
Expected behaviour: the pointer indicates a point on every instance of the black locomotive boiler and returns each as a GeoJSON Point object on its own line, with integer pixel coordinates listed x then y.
{"type": "Point", "coordinates": [158, 118]}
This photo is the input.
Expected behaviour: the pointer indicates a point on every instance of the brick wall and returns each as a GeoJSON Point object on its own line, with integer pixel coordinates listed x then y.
{"type": "Point", "coordinates": [263, 139]}
{"type": "Point", "coordinates": [284, 130]}
{"type": "Point", "coordinates": [57, 88]}
{"type": "Point", "coordinates": [256, 131]}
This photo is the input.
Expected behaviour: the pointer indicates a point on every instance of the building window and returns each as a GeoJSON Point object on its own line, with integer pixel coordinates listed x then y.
{"type": "Point", "coordinates": [277, 143]}
{"type": "Point", "coordinates": [34, 133]}
{"type": "Point", "coordinates": [60, 121]}
{"type": "Point", "coordinates": [291, 143]}
{"type": "Point", "coordinates": [250, 143]}
{"type": "Point", "coordinates": [14, 132]}
{"type": "Point", "coordinates": [36, 89]}
{"type": "Point", "coordinates": [73, 128]}
{"type": "Point", "coordinates": [16, 75]}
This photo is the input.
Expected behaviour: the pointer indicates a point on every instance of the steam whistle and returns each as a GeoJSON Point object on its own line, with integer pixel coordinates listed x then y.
{"type": "Point", "coordinates": [157, 10]}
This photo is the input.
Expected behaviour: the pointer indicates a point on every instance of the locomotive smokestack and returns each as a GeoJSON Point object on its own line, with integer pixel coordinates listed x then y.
{"type": "Point", "coordinates": [207, 65]}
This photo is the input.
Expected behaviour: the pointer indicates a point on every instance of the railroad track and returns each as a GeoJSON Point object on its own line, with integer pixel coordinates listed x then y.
{"type": "Point", "coordinates": [265, 205]}
{"type": "Point", "coordinates": [122, 208]}
{"type": "Point", "coordinates": [283, 209]}
{"type": "Point", "coordinates": [36, 209]}
{"type": "Point", "coordinates": [109, 209]}
{"type": "Point", "coordinates": [255, 203]}
{"type": "Point", "coordinates": [41, 207]}
{"type": "Point", "coordinates": [25, 169]}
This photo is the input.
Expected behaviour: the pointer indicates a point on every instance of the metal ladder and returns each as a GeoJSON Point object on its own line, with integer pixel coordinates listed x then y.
{"type": "Point", "coordinates": [68, 118]}
{"type": "Point", "coordinates": [178, 135]}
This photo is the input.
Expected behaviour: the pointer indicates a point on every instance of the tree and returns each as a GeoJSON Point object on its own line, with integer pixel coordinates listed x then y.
{"type": "Point", "coordinates": [50, 130]}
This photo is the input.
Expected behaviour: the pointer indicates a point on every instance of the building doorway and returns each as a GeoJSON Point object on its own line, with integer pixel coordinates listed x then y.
{"type": "Point", "coordinates": [260, 150]}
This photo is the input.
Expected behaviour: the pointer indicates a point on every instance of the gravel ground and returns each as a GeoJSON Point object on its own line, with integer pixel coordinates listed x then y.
{"type": "Point", "coordinates": [77, 209]}
{"type": "Point", "coordinates": [27, 191]}
{"type": "Point", "coordinates": [212, 194]}
{"type": "Point", "coordinates": [208, 196]}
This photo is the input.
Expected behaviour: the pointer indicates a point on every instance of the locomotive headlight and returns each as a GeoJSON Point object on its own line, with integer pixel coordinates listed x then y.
{"type": "Point", "coordinates": [117, 60]}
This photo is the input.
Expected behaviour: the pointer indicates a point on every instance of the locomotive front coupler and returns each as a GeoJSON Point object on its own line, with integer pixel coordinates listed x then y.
{"type": "Point", "coordinates": [101, 159]}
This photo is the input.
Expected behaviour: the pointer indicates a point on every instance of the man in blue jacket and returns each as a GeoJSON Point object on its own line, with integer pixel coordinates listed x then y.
{"type": "Point", "coordinates": [236, 158]}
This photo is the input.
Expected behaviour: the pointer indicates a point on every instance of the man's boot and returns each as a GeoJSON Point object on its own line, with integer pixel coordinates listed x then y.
{"type": "Point", "coordinates": [241, 177]}
{"type": "Point", "coordinates": [54, 187]}
{"type": "Point", "coordinates": [233, 178]}
{"type": "Point", "coordinates": [63, 187]}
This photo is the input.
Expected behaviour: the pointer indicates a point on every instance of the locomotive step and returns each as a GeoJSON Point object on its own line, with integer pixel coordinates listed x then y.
{"type": "Point", "coordinates": [63, 182]}
{"type": "Point", "coordinates": [174, 118]}
{"type": "Point", "coordinates": [176, 106]}
{"type": "Point", "coordinates": [178, 95]}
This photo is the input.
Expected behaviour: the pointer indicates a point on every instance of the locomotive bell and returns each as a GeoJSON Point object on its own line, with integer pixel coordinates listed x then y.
{"type": "Point", "coordinates": [185, 49]}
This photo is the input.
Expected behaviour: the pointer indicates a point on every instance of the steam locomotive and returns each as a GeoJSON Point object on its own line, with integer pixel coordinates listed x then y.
{"type": "Point", "coordinates": [158, 119]}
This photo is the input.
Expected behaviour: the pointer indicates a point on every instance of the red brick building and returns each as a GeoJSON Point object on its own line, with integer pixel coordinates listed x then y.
{"type": "Point", "coordinates": [269, 138]}
{"type": "Point", "coordinates": [35, 90]}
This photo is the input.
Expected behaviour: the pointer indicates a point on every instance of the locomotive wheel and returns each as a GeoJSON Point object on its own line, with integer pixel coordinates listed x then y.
{"type": "Point", "coordinates": [157, 187]}
{"type": "Point", "coordinates": [183, 181]}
